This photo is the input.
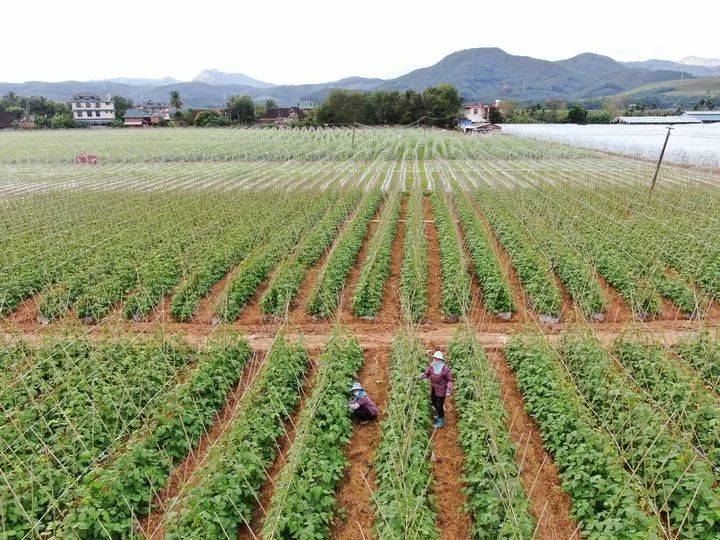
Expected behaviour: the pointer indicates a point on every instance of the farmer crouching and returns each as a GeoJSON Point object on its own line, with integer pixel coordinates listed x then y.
{"type": "Point", "coordinates": [440, 384]}
{"type": "Point", "coordinates": [361, 406]}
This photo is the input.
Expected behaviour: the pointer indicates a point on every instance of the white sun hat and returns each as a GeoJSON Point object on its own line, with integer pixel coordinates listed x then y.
{"type": "Point", "coordinates": [356, 386]}
{"type": "Point", "coordinates": [439, 356]}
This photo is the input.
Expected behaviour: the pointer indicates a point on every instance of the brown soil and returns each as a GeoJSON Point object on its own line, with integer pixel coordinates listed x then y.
{"type": "Point", "coordinates": [205, 312]}
{"type": "Point", "coordinates": [617, 311]}
{"type": "Point", "coordinates": [297, 313]}
{"type": "Point", "coordinates": [357, 514]}
{"type": "Point", "coordinates": [447, 470]}
{"type": "Point", "coordinates": [669, 311]}
{"type": "Point", "coordinates": [549, 504]}
{"type": "Point", "coordinates": [26, 314]}
{"type": "Point", "coordinates": [569, 312]}
{"type": "Point", "coordinates": [523, 313]}
{"type": "Point", "coordinates": [184, 473]}
{"type": "Point", "coordinates": [252, 312]}
{"type": "Point", "coordinates": [434, 291]}
{"type": "Point", "coordinates": [284, 443]}
{"type": "Point", "coordinates": [391, 310]}
{"type": "Point", "coordinates": [345, 311]}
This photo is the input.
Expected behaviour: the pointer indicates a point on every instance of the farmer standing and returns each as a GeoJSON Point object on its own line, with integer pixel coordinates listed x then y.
{"type": "Point", "coordinates": [440, 384]}
{"type": "Point", "coordinates": [361, 405]}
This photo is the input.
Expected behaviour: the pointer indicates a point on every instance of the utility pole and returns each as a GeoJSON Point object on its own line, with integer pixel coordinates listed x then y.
{"type": "Point", "coordinates": [657, 169]}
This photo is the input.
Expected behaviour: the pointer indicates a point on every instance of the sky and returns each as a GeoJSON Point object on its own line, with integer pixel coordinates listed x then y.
{"type": "Point", "coordinates": [285, 42]}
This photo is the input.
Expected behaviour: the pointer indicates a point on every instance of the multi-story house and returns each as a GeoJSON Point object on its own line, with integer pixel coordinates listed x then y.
{"type": "Point", "coordinates": [92, 109]}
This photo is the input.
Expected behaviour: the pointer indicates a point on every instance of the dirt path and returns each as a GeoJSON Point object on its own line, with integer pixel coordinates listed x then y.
{"type": "Point", "coordinates": [523, 313]}
{"type": "Point", "coordinates": [205, 312]}
{"type": "Point", "coordinates": [284, 443]}
{"type": "Point", "coordinates": [434, 291]}
{"type": "Point", "coordinates": [345, 310]}
{"type": "Point", "coordinates": [355, 495]}
{"type": "Point", "coordinates": [447, 471]}
{"type": "Point", "coordinates": [185, 472]}
{"type": "Point", "coordinates": [617, 311]}
{"type": "Point", "coordinates": [391, 310]}
{"type": "Point", "coordinates": [252, 312]}
{"type": "Point", "coordinates": [549, 504]}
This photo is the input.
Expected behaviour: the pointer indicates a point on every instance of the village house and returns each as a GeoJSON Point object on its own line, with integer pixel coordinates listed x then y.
{"type": "Point", "coordinates": [281, 116]}
{"type": "Point", "coordinates": [139, 118]}
{"type": "Point", "coordinates": [159, 110]}
{"type": "Point", "coordinates": [477, 117]}
{"type": "Point", "coordinates": [92, 109]}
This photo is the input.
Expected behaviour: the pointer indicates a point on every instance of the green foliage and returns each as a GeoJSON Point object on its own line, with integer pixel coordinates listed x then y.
{"type": "Point", "coordinates": [604, 496]}
{"type": "Point", "coordinates": [260, 262]}
{"type": "Point", "coordinates": [98, 396]}
{"type": "Point", "coordinates": [414, 273]}
{"type": "Point", "coordinates": [496, 289]}
{"type": "Point", "coordinates": [666, 466]}
{"type": "Point", "coordinates": [703, 354]}
{"type": "Point", "coordinates": [227, 491]}
{"type": "Point", "coordinates": [325, 296]}
{"type": "Point", "coordinates": [110, 496]}
{"type": "Point", "coordinates": [455, 278]}
{"type": "Point", "coordinates": [210, 119]}
{"type": "Point", "coordinates": [404, 505]}
{"type": "Point", "coordinates": [495, 496]}
{"type": "Point", "coordinates": [175, 100]}
{"type": "Point", "coordinates": [679, 393]}
{"type": "Point", "coordinates": [240, 109]}
{"type": "Point", "coordinates": [577, 114]}
{"type": "Point", "coordinates": [532, 266]}
{"type": "Point", "coordinates": [368, 295]}
{"type": "Point", "coordinates": [62, 121]}
{"type": "Point", "coordinates": [316, 462]}
{"type": "Point", "coordinates": [287, 280]}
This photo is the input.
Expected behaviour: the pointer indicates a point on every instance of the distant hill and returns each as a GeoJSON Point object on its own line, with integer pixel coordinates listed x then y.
{"type": "Point", "coordinates": [696, 70]}
{"type": "Point", "coordinates": [479, 74]}
{"type": "Point", "coordinates": [697, 61]}
{"type": "Point", "coordinates": [491, 73]}
{"type": "Point", "coordinates": [147, 82]}
{"type": "Point", "coordinates": [213, 76]}
{"type": "Point", "coordinates": [681, 93]}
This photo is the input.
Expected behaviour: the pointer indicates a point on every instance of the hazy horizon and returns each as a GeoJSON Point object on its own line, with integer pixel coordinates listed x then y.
{"type": "Point", "coordinates": [325, 41]}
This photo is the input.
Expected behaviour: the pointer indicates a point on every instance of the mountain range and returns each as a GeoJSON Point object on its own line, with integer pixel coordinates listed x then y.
{"type": "Point", "coordinates": [479, 74]}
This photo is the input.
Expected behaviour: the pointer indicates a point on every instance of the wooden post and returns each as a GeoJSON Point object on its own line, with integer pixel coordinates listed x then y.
{"type": "Point", "coordinates": [657, 169]}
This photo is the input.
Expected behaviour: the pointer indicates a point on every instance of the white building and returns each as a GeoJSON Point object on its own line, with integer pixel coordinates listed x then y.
{"type": "Point", "coordinates": [92, 109]}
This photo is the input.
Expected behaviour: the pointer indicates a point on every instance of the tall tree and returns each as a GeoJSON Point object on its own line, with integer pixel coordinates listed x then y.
{"type": "Point", "coordinates": [175, 100]}
{"type": "Point", "coordinates": [241, 109]}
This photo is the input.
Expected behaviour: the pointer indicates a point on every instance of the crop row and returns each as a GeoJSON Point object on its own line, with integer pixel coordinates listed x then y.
{"type": "Point", "coordinates": [414, 273]}
{"type": "Point", "coordinates": [226, 255]}
{"type": "Point", "coordinates": [288, 278]}
{"type": "Point", "coordinates": [703, 354]}
{"type": "Point", "coordinates": [576, 274]}
{"type": "Point", "coordinates": [325, 296]}
{"type": "Point", "coordinates": [49, 444]}
{"type": "Point", "coordinates": [495, 496]}
{"type": "Point", "coordinates": [368, 294]}
{"type": "Point", "coordinates": [493, 282]}
{"type": "Point", "coordinates": [260, 262]}
{"type": "Point", "coordinates": [455, 277]}
{"type": "Point", "coordinates": [678, 392]}
{"type": "Point", "coordinates": [678, 483]}
{"type": "Point", "coordinates": [404, 505]}
{"type": "Point", "coordinates": [532, 267]}
{"type": "Point", "coordinates": [604, 496]}
{"type": "Point", "coordinates": [315, 464]}
{"type": "Point", "coordinates": [111, 496]}
{"type": "Point", "coordinates": [229, 484]}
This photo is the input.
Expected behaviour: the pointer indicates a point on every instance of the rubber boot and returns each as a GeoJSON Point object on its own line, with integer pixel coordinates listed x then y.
{"type": "Point", "coordinates": [440, 422]}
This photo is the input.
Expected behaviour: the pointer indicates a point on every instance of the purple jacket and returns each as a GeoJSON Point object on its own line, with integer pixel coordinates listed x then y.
{"type": "Point", "coordinates": [440, 378]}
{"type": "Point", "coordinates": [366, 402]}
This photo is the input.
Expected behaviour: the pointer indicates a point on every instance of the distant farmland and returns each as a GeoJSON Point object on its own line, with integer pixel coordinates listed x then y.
{"type": "Point", "coordinates": [182, 323]}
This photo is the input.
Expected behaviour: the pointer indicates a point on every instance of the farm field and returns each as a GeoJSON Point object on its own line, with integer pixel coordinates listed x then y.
{"type": "Point", "coordinates": [181, 324]}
